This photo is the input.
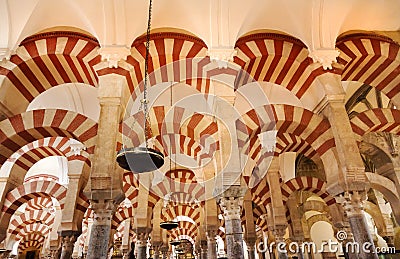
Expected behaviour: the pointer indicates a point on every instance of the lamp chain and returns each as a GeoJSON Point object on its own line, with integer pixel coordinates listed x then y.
{"type": "Point", "coordinates": [147, 127]}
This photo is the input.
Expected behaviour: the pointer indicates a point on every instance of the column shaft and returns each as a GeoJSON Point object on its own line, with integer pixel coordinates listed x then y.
{"type": "Point", "coordinates": [353, 209]}
{"type": "Point", "coordinates": [233, 226]}
{"type": "Point", "coordinates": [67, 246]}
{"type": "Point", "coordinates": [101, 228]}
{"type": "Point", "coordinates": [211, 243]}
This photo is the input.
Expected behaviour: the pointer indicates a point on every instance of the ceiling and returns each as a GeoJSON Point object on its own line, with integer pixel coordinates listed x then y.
{"type": "Point", "coordinates": [219, 23]}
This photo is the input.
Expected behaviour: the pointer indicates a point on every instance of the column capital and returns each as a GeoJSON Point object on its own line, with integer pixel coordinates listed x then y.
{"type": "Point", "coordinates": [326, 57]}
{"type": "Point", "coordinates": [113, 54]}
{"type": "Point", "coordinates": [231, 207]}
{"type": "Point", "coordinates": [222, 55]}
{"type": "Point", "coordinates": [103, 210]}
{"type": "Point", "coordinates": [211, 232]}
{"type": "Point", "coordinates": [352, 202]}
{"type": "Point", "coordinates": [5, 54]}
{"type": "Point", "coordinates": [142, 235]}
{"type": "Point", "coordinates": [279, 232]}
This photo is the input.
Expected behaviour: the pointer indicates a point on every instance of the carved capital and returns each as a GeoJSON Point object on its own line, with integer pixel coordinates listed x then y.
{"type": "Point", "coordinates": [5, 54]}
{"type": "Point", "coordinates": [231, 206]}
{"type": "Point", "coordinates": [211, 232]}
{"type": "Point", "coordinates": [68, 242]}
{"type": "Point", "coordinates": [352, 202]}
{"type": "Point", "coordinates": [222, 56]}
{"type": "Point", "coordinates": [103, 211]}
{"type": "Point", "coordinates": [142, 235]}
{"type": "Point", "coordinates": [113, 54]}
{"type": "Point", "coordinates": [324, 56]}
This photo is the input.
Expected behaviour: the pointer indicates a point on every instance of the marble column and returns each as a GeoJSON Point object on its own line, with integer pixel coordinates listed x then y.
{"type": "Point", "coordinates": [279, 233]}
{"type": "Point", "coordinates": [211, 242]}
{"type": "Point", "coordinates": [203, 249]}
{"type": "Point", "coordinates": [142, 235]}
{"type": "Point", "coordinates": [352, 203]}
{"type": "Point", "coordinates": [5, 254]}
{"type": "Point", "coordinates": [54, 252]}
{"type": "Point", "coordinates": [231, 207]}
{"type": "Point", "coordinates": [67, 245]}
{"type": "Point", "coordinates": [101, 228]}
{"type": "Point", "coordinates": [156, 250]}
{"type": "Point", "coordinates": [251, 243]}
{"type": "Point", "coordinates": [348, 239]}
{"type": "Point", "coordinates": [300, 252]}
{"type": "Point", "coordinates": [164, 251]}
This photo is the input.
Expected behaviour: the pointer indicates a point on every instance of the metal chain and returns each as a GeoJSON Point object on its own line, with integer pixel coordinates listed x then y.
{"type": "Point", "coordinates": [146, 75]}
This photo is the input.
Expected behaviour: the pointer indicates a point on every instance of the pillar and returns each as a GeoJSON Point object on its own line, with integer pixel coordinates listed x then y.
{"type": "Point", "coordinates": [211, 242]}
{"type": "Point", "coordinates": [68, 239]}
{"type": "Point", "coordinates": [156, 250]}
{"type": "Point", "coordinates": [142, 235]}
{"type": "Point", "coordinates": [203, 249]}
{"type": "Point", "coordinates": [276, 210]}
{"type": "Point", "coordinates": [231, 206]}
{"type": "Point", "coordinates": [279, 233]}
{"type": "Point", "coordinates": [164, 251]}
{"type": "Point", "coordinates": [352, 203]}
{"type": "Point", "coordinates": [101, 228]}
{"type": "Point", "coordinates": [5, 254]}
{"type": "Point", "coordinates": [251, 243]}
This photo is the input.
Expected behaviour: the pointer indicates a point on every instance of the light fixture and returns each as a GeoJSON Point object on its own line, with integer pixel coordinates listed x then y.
{"type": "Point", "coordinates": [175, 242]}
{"type": "Point", "coordinates": [142, 159]}
{"type": "Point", "coordinates": [169, 225]}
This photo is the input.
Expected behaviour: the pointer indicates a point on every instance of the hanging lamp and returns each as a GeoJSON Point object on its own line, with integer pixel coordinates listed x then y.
{"type": "Point", "coordinates": [169, 225]}
{"type": "Point", "coordinates": [175, 242]}
{"type": "Point", "coordinates": [142, 159]}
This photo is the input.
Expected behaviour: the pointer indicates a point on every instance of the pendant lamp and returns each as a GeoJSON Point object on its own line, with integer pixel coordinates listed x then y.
{"type": "Point", "coordinates": [142, 159]}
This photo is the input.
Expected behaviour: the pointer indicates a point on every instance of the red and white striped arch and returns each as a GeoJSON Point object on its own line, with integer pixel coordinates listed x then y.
{"type": "Point", "coordinates": [286, 119]}
{"type": "Point", "coordinates": [39, 203]}
{"type": "Point", "coordinates": [185, 228]}
{"type": "Point", "coordinates": [177, 120]}
{"type": "Point", "coordinates": [31, 244]}
{"type": "Point", "coordinates": [371, 59]}
{"type": "Point", "coordinates": [34, 228]}
{"type": "Point", "coordinates": [279, 59]}
{"type": "Point", "coordinates": [130, 186]}
{"type": "Point", "coordinates": [28, 191]}
{"type": "Point", "coordinates": [181, 187]}
{"type": "Point", "coordinates": [82, 202]}
{"type": "Point", "coordinates": [306, 183]}
{"type": "Point", "coordinates": [169, 60]}
{"type": "Point", "coordinates": [49, 59]}
{"type": "Point", "coordinates": [260, 193]}
{"type": "Point", "coordinates": [122, 213]}
{"type": "Point", "coordinates": [259, 214]}
{"type": "Point", "coordinates": [172, 212]}
{"type": "Point", "coordinates": [27, 218]}
{"type": "Point", "coordinates": [23, 159]}
{"type": "Point", "coordinates": [170, 144]}
{"type": "Point", "coordinates": [376, 120]}
{"type": "Point", "coordinates": [27, 127]}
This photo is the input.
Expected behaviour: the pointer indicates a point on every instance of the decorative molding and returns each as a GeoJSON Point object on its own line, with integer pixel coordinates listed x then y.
{"type": "Point", "coordinates": [231, 207]}
{"type": "Point", "coordinates": [324, 56]}
{"type": "Point", "coordinates": [113, 54]}
{"type": "Point", "coordinates": [168, 35]}
{"type": "Point", "coordinates": [5, 54]}
{"type": "Point", "coordinates": [76, 147]}
{"type": "Point", "coordinates": [268, 140]}
{"type": "Point", "coordinates": [222, 56]}
{"type": "Point", "coordinates": [55, 34]}
{"type": "Point", "coordinates": [269, 35]}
